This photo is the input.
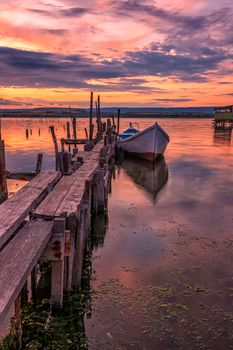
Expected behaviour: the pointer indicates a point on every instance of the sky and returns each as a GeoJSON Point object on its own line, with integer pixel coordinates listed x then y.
{"type": "Point", "coordinates": [150, 53]}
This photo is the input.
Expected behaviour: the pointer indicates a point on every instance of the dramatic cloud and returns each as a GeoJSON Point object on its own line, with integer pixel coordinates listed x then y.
{"type": "Point", "coordinates": [56, 70]}
{"type": "Point", "coordinates": [137, 47]}
{"type": "Point", "coordinates": [4, 102]}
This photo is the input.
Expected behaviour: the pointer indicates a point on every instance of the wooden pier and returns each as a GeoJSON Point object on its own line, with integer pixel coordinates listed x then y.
{"type": "Point", "coordinates": [50, 219]}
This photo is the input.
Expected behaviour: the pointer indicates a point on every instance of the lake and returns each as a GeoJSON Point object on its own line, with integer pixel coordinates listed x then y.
{"type": "Point", "coordinates": [162, 272]}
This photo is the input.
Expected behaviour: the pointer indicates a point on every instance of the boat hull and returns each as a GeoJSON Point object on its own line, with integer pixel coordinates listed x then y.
{"type": "Point", "coordinates": [148, 144]}
{"type": "Point", "coordinates": [147, 156]}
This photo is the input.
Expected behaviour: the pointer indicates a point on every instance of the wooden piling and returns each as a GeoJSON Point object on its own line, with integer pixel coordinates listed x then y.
{"type": "Point", "coordinates": [57, 281]}
{"type": "Point", "coordinates": [91, 118]}
{"type": "Point", "coordinates": [39, 162]}
{"type": "Point", "coordinates": [118, 120]}
{"type": "Point", "coordinates": [86, 133]}
{"type": "Point", "coordinates": [34, 284]}
{"type": "Point", "coordinates": [16, 330]}
{"type": "Point", "coordinates": [101, 190]}
{"type": "Point", "coordinates": [74, 125]}
{"type": "Point", "coordinates": [74, 128]}
{"type": "Point", "coordinates": [55, 145]}
{"type": "Point", "coordinates": [92, 129]}
{"type": "Point", "coordinates": [3, 174]}
{"type": "Point", "coordinates": [66, 162]}
{"type": "Point", "coordinates": [98, 104]}
{"type": "Point", "coordinates": [113, 121]}
{"type": "Point", "coordinates": [99, 116]}
{"type": "Point", "coordinates": [68, 130]}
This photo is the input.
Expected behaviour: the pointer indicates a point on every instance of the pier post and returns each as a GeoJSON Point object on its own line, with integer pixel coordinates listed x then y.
{"type": "Point", "coordinates": [90, 118]}
{"type": "Point", "coordinates": [3, 175]}
{"type": "Point", "coordinates": [101, 196]}
{"type": "Point", "coordinates": [118, 120]}
{"type": "Point", "coordinates": [34, 284]}
{"type": "Point", "coordinates": [74, 128]}
{"type": "Point", "coordinates": [39, 162]}
{"type": "Point", "coordinates": [57, 281]}
{"type": "Point", "coordinates": [16, 326]}
{"type": "Point", "coordinates": [77, 262]}
{"type": "Point", "coordinates": [68, 130]}
{"type": "Point", "coordinates": [113, 121]}
{"type": "Point", "coordinates": [71, 224]}
{"type": "Point", "coordinates": [99, 124]}
{"type": "Point", "coordinates": [51, 128]}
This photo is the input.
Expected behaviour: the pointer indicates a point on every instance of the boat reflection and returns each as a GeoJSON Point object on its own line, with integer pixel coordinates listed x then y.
{"type": "Point", "coordinates": [151, 176]}
{"type": "Point", "coordinates": [222, 135]}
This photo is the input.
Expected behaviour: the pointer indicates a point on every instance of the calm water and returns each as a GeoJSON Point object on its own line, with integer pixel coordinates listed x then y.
{"type": "Point", "coordinates": [163, 277]}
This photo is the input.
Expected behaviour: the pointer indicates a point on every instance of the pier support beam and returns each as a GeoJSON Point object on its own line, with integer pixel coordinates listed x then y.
{"type": "Point", "coordinates": [57, 283]}
{"type": "Point", "coordinates": [101, 192]}
{"type": "Point", "coordinates": [3, 174]}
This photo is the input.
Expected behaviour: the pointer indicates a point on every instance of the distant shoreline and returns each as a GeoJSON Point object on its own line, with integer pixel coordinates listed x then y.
{"type": "Point", "coordinates": [133, 115]}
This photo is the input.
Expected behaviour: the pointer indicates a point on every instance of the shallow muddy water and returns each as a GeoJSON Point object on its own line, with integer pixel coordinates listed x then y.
{"type": "Point", "coordinates": [163, 270]}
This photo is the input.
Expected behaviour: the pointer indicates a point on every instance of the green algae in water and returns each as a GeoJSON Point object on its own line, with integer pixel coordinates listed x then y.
{"type": "Point", "coordinates": [54, 330]}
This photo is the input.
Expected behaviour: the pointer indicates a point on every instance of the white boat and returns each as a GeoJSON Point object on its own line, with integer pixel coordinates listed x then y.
{"type": "Point", "coordinates": [147, 144]}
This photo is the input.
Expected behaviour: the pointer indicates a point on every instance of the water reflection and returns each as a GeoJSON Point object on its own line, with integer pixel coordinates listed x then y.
{"type": "Point", "coordinates": [163, 274]}
{"type": "Point", "coordinates": [222, 135]}
{"type": "Point", "coordinates": [163, 279]}
{"type": "Point", "coordinates": [99, 225]}
{"type": "Point", "coordinates": [151, 176]}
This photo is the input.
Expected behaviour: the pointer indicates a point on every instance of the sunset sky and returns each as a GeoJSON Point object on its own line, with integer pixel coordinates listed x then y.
{"type": "Point", "coordinates": [150, 53]}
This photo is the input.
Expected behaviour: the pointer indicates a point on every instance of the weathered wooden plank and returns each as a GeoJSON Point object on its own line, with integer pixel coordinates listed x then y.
{"type": "Point", "coordinates": [3, 182]}
{"type": "Point", "coordinates": [75, 194]}
{"type": "Point", "coordinates": [18, 259]}
{"type": "Point", "coordinates": [94, 153]}
{"type": "Point", "coordinates": [16, 208]}
{"type": "Point", "coordinates": [50, 204]}
{"type": "Point", "coordinates": [68, 193]}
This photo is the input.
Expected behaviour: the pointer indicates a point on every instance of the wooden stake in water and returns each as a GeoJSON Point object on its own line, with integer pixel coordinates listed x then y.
{"type": "Point", "coordinates": [3, 177]}
{"type": "Point", "coordinates": [55, 145]}
{"type": "Point", "coordinates": [87, 133]}
{"type": "Point", "coordinates": [118, 120]}
{"type": "Point", "coordinates": [90, 119]}
{"type": "Point", "coordinates": [96, 111]}
{"type": "Point", "coordinates": [74, 125]}
{"type": "Point", "coordinates": [39, 163]}
{"type": "Point", "coordinates": [113, 121]}
{"type": "Point", "coordinates": [68, 130]}
{"type": "Point", "coordinates": [68, 133]}
{"type": "Point", "coordinates": [99, 115]}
